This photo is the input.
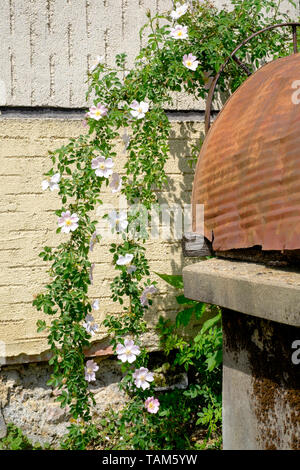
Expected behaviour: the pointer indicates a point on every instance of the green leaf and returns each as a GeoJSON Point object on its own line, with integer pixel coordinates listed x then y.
{"type": "Point", "coordinates": [172, 279]}
{"type": "Point", "coordinates": [214, 361]}
{"type": "Point", "coordinates": [184, 316]}
{"type": "Point", "coordinates": [200, 309]}
{"type": "Point", "coordinates": [211, 322]}
{"type": "Point", "coordinates": [182, 300]}
{"type": "Point", "coordinates": [41, 325]}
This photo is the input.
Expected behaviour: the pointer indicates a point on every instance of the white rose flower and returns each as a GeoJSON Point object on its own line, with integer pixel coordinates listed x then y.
{"type": "Point", "coordinates": [90, 369]}
{"type": "Point", "coordinates": [95, 304]}
{"type": "Point", "coordinates": [52, 184]}
{"type": "Point", "coordinates": [190, 61]}
{"type": "Point", "coordinates": [147, 295]}
{"type": "Point", "coordinates": [179, 11]}
{"type": "Point", "coordinates": [115, 183]}
{"type": "Point", "coordinates": [96, 62]}
{"type": "Point", "coordinates": [90, 325]}
{"type": "Point", "coordinates": [97, 112]}
{"type": "Point", "coordinates": [179, 32]}
{"type": "Point", "coordinates": [138, 110]}
{"type": "Point", "coordinates": [142, 378]}
{"type": "Point", "coordinates": [102, 166]}
{"type": "Point", "coordinates": [68, 222]}
{"type": "Point", "coordinates": [126, 261]}
{"type": "Point", "coordinates": [128, 351]}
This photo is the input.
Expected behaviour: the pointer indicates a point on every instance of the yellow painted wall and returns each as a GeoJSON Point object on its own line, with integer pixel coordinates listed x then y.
{"type": "Point", "coordinates": [28, 222]}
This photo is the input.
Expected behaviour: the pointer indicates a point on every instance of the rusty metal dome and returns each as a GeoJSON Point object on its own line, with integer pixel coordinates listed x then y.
{"type": "Point", "coordinates": [248, 172]}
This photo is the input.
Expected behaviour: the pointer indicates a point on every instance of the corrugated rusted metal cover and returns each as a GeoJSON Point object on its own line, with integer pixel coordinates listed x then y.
{"type": "Point", "coordinates": [248, 172]}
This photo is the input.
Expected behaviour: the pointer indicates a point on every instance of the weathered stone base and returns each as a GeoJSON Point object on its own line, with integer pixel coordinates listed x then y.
{"type": "Point", "coordinates": [261, 396]}
{"type": "Point", "coordinates": [29, 403]}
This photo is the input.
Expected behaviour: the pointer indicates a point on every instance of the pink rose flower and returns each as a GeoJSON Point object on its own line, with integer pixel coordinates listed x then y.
{"type": "Point", "coordinates": [152, 405]}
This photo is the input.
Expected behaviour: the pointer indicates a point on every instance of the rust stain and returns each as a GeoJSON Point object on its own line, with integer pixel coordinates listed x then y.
{"type": "Point", "coordinates": [248, 172]}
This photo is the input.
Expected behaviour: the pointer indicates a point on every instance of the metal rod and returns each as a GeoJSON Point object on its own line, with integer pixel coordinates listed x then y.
{"type": "Point", "coordinates": [243, 66]}
{"type": "Point", "coordinates": [215, 80]}
{"type": "Point", "coordinates": [295, 39]}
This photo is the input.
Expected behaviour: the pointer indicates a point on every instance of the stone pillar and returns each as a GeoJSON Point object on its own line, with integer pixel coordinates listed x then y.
{"type": "Point", "coordinates": [261, 353]}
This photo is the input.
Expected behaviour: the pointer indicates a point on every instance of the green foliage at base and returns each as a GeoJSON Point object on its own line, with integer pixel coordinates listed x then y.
{"type": "Point", "coordinates": [16, 440]}
{"type": "Point", "coordinates": [201, 358]}
{"type": "Point", "coordinates": [172, 428]}
{"type": "Point", "coordinates": [188, 418]}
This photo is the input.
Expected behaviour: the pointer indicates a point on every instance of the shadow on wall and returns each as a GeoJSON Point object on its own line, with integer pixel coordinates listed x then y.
{"type": "Point", "coordinates": [185, 143]}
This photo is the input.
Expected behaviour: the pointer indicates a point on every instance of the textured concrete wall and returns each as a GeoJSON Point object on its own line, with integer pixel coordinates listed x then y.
{"type": "Point", "coordinates": [47, 46]}
{"type": "Point", "coordinates": [261, 396]}
{"type": "Point", "coordinates": [28, 222]}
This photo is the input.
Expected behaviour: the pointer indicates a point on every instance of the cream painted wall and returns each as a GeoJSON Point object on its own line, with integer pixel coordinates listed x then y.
{"type": "Point", "coordinates": [28, 222]}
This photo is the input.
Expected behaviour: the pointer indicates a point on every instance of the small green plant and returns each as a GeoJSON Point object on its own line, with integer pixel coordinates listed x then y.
{"type": "Point", "coordinates": [79, 436]}
{"type": "Point", "coordinates": [16, 440]}
{"type": "Point", "coordinates": [200, 356]}
{"type": "Point", "coordinates": [132, 428]}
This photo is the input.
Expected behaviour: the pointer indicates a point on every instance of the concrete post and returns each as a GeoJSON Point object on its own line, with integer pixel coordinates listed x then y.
{"type": "Point", "coordinates": [261, 399]}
